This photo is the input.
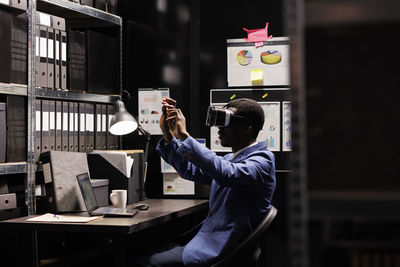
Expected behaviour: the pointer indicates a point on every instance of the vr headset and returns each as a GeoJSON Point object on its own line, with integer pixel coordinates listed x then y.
{"type": "Point", "coordinates": [220, 117]}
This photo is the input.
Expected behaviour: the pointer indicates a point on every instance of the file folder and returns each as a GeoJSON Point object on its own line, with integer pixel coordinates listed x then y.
{"type": "Point", "coordinates": [110, 138]}
{"type": "Point", "coordinates": [63, 60]}
{"type": "Point", "coordinates": [57, 65]}
{"type": "Point", "coordinates": [76, 127]}
{"type": "Point", "coordinates": [42, 67]}
{"type": "Point", "coordinates": [16, 128]}
{"type": "Point", "coordinates": [20, 4]}
{"type": "Point", "coordinates": [45, 126]}
{"type": "Point", "coordinates": [59, 129]}
{"type": "Point", "coordinates": [89, 127]}
{"type": "Point", "coordinates": [38, 127]}
{"type": "Point", "coordinates": [50, 58]}
{"type": "Point", "coordinates": [52, 125]}
{"type": "Point", "coordinates": [71, 127]}
{"type": "Point", "coordinates": [82, 127]}
{"type": "Point", "coordinates": [65, 124]}
{"type": "Point", "coordinates": [77, 60]}
{"type": "Point", "coordinates": [19, 49]}
{"type": "Point", "coordinates": [98, 134]}
{"type": "Point", "coordinates": [104, 126]}
{"type": "Point", "coordinates": [3, 133]}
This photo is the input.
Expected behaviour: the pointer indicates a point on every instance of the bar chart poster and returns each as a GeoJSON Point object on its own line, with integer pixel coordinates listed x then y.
{"type": "Point", "coordinates": [287, 127]}
{"type": "Point", "coordinates": [215, 142]}
{"type": "Point", "coordinates": [271, 130]}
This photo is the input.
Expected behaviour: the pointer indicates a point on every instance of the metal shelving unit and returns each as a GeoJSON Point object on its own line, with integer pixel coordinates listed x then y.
{"type": "Point", "coordinates": [76, 16]}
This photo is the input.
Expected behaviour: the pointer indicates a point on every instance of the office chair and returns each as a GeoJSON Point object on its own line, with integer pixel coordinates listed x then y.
{"type": "Point", "coordinates": [247, 253]}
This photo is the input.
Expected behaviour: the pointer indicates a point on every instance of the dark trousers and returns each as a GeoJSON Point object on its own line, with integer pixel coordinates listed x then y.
{"type": "Point", "coordinates": [168, 255]}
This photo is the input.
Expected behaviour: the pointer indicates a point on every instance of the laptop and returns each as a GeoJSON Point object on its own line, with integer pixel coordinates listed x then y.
{"type": "Point", "coordinates": [91, 203]}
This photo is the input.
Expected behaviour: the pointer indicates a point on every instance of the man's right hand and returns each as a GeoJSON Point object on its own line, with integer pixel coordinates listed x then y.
{"type": "Point", "coordinates": [167, 104]}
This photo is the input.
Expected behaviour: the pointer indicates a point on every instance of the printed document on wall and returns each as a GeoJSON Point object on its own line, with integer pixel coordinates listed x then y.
{"type": "Point", "coordinates": [287, 127]}
{"type": "Point", "coordinates": [271, 130]}
{"type": "Point", "coordinates": [149, 103]}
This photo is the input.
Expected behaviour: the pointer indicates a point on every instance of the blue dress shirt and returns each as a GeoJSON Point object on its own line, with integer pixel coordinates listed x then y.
{"type": "Point", "coordinates": [241, 193]}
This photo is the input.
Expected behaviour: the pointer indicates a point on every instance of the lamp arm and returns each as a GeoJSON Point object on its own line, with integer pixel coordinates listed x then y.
{"type": "Point", "coordinates": [146, 153]}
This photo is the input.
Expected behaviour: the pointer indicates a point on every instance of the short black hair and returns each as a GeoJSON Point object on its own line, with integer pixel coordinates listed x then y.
{"type": "Point", "coordinates": [251, 110]}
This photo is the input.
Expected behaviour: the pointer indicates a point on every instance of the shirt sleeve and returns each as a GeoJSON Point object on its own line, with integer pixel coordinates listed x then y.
{"type": "Point", "coordinates": [182, 165]}
{"type": "Point", "coordinates": [257, 169]}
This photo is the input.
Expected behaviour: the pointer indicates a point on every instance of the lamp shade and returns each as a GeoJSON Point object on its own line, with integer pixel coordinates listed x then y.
{"type": "Point", "coordinates": [122, 122]}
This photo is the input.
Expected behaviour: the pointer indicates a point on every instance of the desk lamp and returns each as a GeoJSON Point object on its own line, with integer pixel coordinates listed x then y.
{"type": "Point", "coordinates": [123, 123]}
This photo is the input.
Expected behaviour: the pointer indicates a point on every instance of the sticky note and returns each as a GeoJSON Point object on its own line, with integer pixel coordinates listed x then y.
{"type": "Point", "coordinates": [257, 76]}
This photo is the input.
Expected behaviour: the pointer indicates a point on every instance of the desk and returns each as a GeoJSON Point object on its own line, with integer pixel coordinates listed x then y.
{"type": "Point", "coordinates": [160, 211]}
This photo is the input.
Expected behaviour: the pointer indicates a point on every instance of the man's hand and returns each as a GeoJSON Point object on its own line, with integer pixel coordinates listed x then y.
{"type": "Point", "coordinates": [177, 123]}
{"type": "Point", "coordinates": [167, 104]}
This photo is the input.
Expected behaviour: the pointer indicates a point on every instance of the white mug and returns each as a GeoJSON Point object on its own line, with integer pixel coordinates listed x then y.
{"type": "Point", "coordinates": [118, 198]}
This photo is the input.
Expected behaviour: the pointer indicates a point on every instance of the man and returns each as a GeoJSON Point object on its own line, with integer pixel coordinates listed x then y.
{"type": "Point", "coordinates": [242, 182]}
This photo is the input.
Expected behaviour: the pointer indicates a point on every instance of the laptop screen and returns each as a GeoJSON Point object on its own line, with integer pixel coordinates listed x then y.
{"type": "Point", "coordinates": [87, 191]}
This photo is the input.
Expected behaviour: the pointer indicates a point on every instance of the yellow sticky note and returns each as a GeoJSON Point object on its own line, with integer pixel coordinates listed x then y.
{"type": "Point", "coordinates": [257, 76]}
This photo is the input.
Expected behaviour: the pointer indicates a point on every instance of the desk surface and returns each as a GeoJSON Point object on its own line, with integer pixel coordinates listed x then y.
{"type": "Point", "coordinates": [160, 210]}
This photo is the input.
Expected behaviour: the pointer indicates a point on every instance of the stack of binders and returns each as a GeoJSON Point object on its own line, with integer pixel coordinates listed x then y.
{"type": "Point", "coordinates": [51, 52]}
{"type": "Point", "coordinates": [72, 126]}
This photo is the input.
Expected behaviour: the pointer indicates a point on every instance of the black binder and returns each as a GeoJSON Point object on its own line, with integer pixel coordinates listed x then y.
{"type": "Point", "coordinates": [42, 67]}
{"type": "Point", "coordinates": [76, 127]}
{"type": "Point", "coordinates": [59, 115]}
{"type": "Point", "coordinates": [52, 125]}
{"type": "Point", "coordinates": [104, 126]}
{"type": "Point", "coordinates": [71, 127]}
{"type": "Point", "coordinates": [45, 126]}
{"type": "Point", "coordinates": [50, 58]}
{"type": "Point", "coordinates": [63, 60]}
{"type": "Point", "coordinates": [65, 124]}
{"type": "Point", "coordinates": [82, 127]}
{"type": "Point", "coordinates": [16, 128]}
{"type": "Point", "coordinates": [38, 127]}
{"type": "Point", "coordinates": [77, 60]}
{"type": "Point", "coordinates": [57, 65]}
{"type": "Point", "coordinates": [89, 127]}
{"type": "Point", "coordinates": [109, 136]}
{"type": "Point", "coordinates": [102, 63]}
{"type": "Point", "coordinates": [97, 128]}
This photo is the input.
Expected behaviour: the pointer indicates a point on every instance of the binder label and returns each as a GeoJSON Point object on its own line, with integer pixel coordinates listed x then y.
{"type": "Point", "coordinates": [65, 121]}
{"type": "Point", "coordinates": [64, 51]}
{"type": "Point", "coordinates": [71, 121]}
{"type": "Point", "coordinates": [43, 47]}
{"type": "Point", "coordinates": [104, 123]}
{"type": "Point", "coordinates": [45, 124]}
{"type": "Point", "coordinates": [45, 19]}
{"type": "Point", "coordinates": [82, 123]}
{"type": "Point", "coordinates": [37, 46]}
{"type": "Point", "coordinates": [90, 122]}
{"type": "Point", "coordinates": [37, 120]}
{"type": "Point", "coordinates": [98, 123]}
{"type": "Point", "coordinates": [52, 121]}
{"type": "Point", "coordinates": [51, 48]}
{"type": "Point", "coordinates": [76, 121]}
{"type": "Point", "coordinates": [59, 121]}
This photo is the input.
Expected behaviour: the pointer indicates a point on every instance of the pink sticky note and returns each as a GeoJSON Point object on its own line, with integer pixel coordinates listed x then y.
{"type": "Point", "coordinates": [258, 36]}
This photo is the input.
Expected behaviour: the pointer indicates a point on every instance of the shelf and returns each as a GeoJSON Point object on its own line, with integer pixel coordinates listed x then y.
{"type": "Point", "coordinates": [75, 96]}
{"type": "Point", "coordinates": [74, 12]}
{"type": "Point", "coordinates": [12, 167]}
{"type": "Point", "coordinates": [13, 89]}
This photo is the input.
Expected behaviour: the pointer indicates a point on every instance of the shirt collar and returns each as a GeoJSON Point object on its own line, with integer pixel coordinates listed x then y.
{"type": "Point", "coordinates": [240, 150]}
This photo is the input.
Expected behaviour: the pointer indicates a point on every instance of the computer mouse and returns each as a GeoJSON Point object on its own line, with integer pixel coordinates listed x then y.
{"type": "Point", "coordinates": [141, 206]}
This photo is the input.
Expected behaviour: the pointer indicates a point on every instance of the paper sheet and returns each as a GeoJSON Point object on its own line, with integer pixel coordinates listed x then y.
{"type": "Point", "coordinates": [149, 103]}
{"type": "Point", "coordinates": [50, 217]}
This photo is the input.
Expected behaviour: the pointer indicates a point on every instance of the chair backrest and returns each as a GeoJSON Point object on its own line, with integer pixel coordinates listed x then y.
{"type": "Point", "coordinates": [250, 244]}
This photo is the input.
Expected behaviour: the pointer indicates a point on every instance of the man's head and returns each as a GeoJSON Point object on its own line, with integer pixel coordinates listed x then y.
{"type": "Point", "coordinates": [247, 124]}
